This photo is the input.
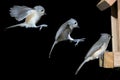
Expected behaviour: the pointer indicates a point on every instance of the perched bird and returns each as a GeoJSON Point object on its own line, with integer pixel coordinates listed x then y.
{"type": "Point", "coordinates": [97, 50]}
{"type": "Point", "coordinates": [64, 32]}
{"type": "Point", "coordinates": [31, 16]}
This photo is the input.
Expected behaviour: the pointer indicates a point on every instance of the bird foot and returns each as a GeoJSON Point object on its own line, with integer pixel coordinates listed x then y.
{"type": "Point", "coordinates": [78, 40]}
{"type": "Point", "coordinates": [42, 25]}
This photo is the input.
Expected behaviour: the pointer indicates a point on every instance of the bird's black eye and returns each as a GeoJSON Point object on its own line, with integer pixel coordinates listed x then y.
{"type": "Point", "coordinates": [42, 10]}
{"type": "Point", "coordinates": [75, 23]}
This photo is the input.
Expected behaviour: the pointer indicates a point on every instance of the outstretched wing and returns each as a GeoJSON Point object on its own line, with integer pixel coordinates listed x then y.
{"type": "Point", "coordinates": [20, 12]}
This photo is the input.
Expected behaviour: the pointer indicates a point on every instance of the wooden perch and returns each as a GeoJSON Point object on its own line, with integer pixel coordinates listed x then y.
{"type": "Point", "coordinates": [104, 4]}
{"type": "Point", "coordinates": [110, 60]}
{"type": "Point", "coordinates": [107, 61]}
{"type": "Point", "coordinates": [117, 59]}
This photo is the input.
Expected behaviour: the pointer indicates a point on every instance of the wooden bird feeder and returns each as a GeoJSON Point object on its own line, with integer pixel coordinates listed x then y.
{"type": "Point", "coordinates": [112, 59]}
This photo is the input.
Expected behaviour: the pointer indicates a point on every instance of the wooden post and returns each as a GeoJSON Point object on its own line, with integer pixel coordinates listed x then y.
{"type": "Point", "coordinates": [117, 54]}
{"type": "Point", "coordinates": [114, 28]}
{"type": "Point", "coordinates": [112, 59]}
{"type": "Point", "coordinates": [118, 4]}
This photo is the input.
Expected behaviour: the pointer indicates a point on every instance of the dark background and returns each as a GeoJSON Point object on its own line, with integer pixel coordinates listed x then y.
{"type": "Point", "coordinates": [24, 52]}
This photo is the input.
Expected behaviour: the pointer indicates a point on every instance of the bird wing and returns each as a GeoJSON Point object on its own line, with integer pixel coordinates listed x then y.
{"type": "Point", "coordinates": [60, 30]}
{"type": "Point", "coordinates": [93, 49]}
{"type": "Point", "coordinates": [20, 12]}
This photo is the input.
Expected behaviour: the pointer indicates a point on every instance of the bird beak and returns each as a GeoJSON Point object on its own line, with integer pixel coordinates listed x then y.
{"type": "Point", "coordinates": [77, 27]}
{"type": "Point", "coordinates": [45, 14]}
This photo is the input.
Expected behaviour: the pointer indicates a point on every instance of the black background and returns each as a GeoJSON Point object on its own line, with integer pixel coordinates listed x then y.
{"type": "Point", "coordinates": [24, 52]}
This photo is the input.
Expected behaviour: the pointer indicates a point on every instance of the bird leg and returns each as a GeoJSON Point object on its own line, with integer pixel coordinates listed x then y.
{"type": "Point", "coordinates": [75, 40]}
{"type": "Point", "coordinates": [102, 56]}
{"type": "Point", "coordinates": [42, 25]}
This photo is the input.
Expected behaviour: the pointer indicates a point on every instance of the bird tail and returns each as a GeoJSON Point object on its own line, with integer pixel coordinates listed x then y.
{"type": "Point", "coordinates": [81, 65]}
{"type": "Point", "coordinates": [21, 24]}
{"type": "Point", "coordinates": [52, 48]}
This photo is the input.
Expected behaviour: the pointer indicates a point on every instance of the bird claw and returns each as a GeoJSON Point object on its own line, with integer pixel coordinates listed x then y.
{"type": "Point", "coordinates": [42, 25]}
{"type": "Point", "coordinates": [78, 40]}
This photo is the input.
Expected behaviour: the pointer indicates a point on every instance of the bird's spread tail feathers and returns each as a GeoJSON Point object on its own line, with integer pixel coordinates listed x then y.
{"type": "Point", "coordinates": [55, 42]}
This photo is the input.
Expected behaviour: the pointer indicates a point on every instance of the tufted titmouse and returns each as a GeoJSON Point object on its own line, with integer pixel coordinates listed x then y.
{"type": "Point", "coordinates": [31, 16]}
{"type": "Point", "coordinates": [97, 50]}
{"type": "Point", "coordinates": [64, 32]}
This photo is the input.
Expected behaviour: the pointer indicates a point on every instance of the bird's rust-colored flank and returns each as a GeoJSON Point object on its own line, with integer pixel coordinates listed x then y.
{"type": "Point", "coordinates": [29, 17]}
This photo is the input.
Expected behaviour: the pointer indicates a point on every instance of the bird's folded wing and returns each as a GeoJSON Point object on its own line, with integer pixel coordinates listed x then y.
{"type": "Point", "coordinates": [20, 12]}
{"type": "Point", "coordinates": [61, 30]}
{"type": "Point", "coordinates": [93, 49]}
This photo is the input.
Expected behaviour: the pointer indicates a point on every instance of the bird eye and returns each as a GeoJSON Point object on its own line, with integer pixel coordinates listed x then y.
{"type": "Point", "coordinates": [75, 23]}
{"type": "Point", "coordinates": [42, 10]}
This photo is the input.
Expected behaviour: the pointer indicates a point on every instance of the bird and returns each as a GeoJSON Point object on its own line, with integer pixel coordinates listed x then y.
{"type": "Point", "coordinates": [97, 50]}
{"type": "Point", "coordinates": [31, 16]}
{"type": "Point", "coordinates": [64, 32]}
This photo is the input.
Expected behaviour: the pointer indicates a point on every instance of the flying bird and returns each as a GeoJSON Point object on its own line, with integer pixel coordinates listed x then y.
{"type": "Point", "coordinates": [31, 16]}
{"type": "Point", "coordinates": [64, 32]}
{"type": "Point", "coordinates": [97, 50]}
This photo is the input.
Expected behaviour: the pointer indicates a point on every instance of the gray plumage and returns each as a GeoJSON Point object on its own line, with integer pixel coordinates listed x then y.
{"type": "Point", "coordinates": [97, 50]}
{"type": "Point", "coordinates": [20, 12]}
{"type": "Point", "coordinates": [31, 15]}
{"type": "Point", "coordinates": [64, 32]}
